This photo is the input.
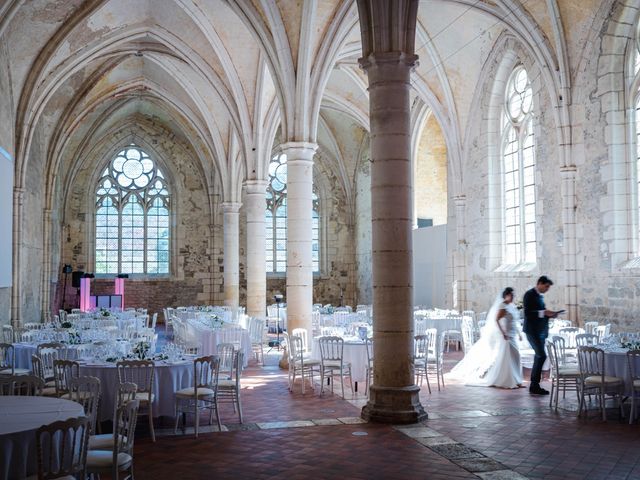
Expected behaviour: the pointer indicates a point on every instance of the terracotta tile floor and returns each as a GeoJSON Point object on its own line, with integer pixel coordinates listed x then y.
{"type": "Point", "coordinates": [497, 434]}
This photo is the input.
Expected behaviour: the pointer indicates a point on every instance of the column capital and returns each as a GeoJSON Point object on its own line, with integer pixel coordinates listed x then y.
{"type": "Point", "coordinates": [460, 200]}
{"type": "Point", "coordinates": [303, 148]}
{"type": "Point", "coordinates": [409, 60]}
{"type": "Point", "coordinates": [255, 186]}
{"type": "Point", "coordinates": [231, 207]}
{"type": "Point", "coordinates": [18, 194]}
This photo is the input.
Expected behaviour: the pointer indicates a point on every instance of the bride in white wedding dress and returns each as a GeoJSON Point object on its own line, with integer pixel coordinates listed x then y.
{"type": "Point", "coordinates": [494, 360]}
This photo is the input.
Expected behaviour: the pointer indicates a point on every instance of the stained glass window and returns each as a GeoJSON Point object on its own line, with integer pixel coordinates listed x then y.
{"type": "Point", "coordinates": [132, 216]}
{"type": "Point", "coordinates": [518, 171]}
{"type": "Point", "coordinates": [276, 219]}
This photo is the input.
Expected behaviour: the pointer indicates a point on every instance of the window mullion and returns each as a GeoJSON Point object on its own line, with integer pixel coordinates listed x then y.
{"type": "Point", "coordinates": [523, 227]}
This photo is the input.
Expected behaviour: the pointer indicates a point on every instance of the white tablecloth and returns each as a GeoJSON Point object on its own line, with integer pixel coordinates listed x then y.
{"type": "Point", "coordinates": [166, 381]}
{"type": "Point", "coordinates": [441, 324]}
{"type": "Point", "coordinates": [20, 417]}
{"type": "Point", "coordinates": [209, 338]}
{"type": "Point", "coordinates": [23, 352]}
{"type": "Point", "coordinates": [616, 365]}
{"type": "Point", "coordinates": [355, 353]}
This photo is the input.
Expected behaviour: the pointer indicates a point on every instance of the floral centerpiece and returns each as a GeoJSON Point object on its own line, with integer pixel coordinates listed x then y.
{"type": "Point", "coordinates": [215, 321]}
{"type": "Point", "coordinates": [66, 325]}
{"type": "Point", "coordinates": [630, 344]}
{"type": "Point", "coordinates": [105, 313]}
{"type": "Point", "coordinates": [141, 350]}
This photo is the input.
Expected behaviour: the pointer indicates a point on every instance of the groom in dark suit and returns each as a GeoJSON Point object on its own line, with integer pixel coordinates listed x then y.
{"type": "Point", "coordinates": [536, 327]}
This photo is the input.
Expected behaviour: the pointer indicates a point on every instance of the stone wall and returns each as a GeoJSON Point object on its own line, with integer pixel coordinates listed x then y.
{"type": "Point", "coordinates": [196, 270]}
{"type": "Point", "coordinates": [486, 277]}
{"type": "Point", "coordinates": [603, 149]}
{"type": "Point", "coordinates": [430, 177]}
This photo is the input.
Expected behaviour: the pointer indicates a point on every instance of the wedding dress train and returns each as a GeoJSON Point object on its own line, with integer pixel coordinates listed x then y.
{"type": "Point", "coordinates": [494, 361]}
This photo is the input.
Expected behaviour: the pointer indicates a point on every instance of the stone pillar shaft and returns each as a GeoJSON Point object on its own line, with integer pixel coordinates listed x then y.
{"type": "Point", "coordinates": [46, 265]}
{"type": "Point", "coordinates": [16, 307]}
{"type": "Point", "coordinates": [231, 223]}
{"type": "Point", "coordinates": [570, 241]}
{"type": "Point", "coordinates": [255, 205]}
{"type": "Point", "coordinates": [394, 395]}
{"type": "Point", "coordinates": [460, 303]}
{"type": "Point", "coordinates": [299, 233]}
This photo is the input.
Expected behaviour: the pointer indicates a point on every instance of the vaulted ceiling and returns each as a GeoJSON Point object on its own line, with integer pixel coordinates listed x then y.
{"type": "Point", "coordinates": [225, 75]}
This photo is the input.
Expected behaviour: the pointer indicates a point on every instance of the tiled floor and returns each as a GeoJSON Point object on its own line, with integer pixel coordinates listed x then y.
{"type": "Point", "coordinates": [471, 432]}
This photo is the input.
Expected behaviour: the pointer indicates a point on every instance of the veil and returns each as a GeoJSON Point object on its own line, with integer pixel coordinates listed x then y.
{"type": "Point", "coordinates": [474, 368]}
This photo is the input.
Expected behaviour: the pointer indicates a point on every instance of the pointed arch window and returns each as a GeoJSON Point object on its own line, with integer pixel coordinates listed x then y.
{"type": "Point", "coordinates": [518, 171]}
{"type": "Point", "coordinates": [132, 227]}
{"type": "Point", "coordinates": [276, 219]}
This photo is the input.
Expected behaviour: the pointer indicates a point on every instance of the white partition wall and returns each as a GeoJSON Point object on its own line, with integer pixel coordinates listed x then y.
{"type": "Point", "coordinates": [6, 211]}
{"type": "Point", "coordinates": [430, 266]}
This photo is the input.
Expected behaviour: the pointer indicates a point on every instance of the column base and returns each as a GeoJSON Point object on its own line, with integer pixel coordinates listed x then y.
{"type": "Point", "coordinates": [394, 405]}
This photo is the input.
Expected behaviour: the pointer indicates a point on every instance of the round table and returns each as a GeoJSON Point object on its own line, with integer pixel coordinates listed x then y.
{"type": "Point", "coordinates": [617, 365]}
{"type": "Point", "coordinates": [354, 352]}
{"type": "Point", "coordinates": [168, 378]}
{"type": "Point", "coordinates": [20, 417]}
{"type": "Point", "coordinates": [209, 338]}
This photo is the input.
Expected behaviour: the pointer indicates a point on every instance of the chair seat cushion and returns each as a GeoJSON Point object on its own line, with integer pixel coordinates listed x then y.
{"type": "Point", "coordinates": [335, 364]}
{"type": "Point", "coordinates": [597, 380]}
{"type": "Point", "coordinates": [308, 362]}
{"type": "Point", "coordinates": [66, 477]}
{"type": "Point", "coordinates": [190, 392]}
{"type": "Point", "coordinates": [99, 459]}
{"type": "Point", "coordinates": [567, 370]}
{"type": "Point", "coordinates": [71, 396]}
{"type": "Point", "coordinates": [16, 371]}
{"type": "Point", "coordinates": [144, 397]}
{"type": "Point", "coordinates": [49, 392]}
{"type": "Point", "coordinates": [226, 384]}
{"type": "Point", "coordinates": [101, 442]}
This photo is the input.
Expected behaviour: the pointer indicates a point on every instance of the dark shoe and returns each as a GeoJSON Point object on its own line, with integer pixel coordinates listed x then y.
{"type": "Point", "coordinates": [538, 391]}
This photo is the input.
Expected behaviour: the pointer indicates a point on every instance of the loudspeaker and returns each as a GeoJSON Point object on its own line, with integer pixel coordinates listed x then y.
{"type": "Point", "coordinates": [75, 279]}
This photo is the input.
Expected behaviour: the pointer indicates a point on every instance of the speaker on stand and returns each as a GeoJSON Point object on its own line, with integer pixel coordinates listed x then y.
{"type": "Point", "coordinates": [66, 270]}
{"type": "Point", "coordinates": [276, 343]}
{"type": "Point", "coordinates": [76, 277]}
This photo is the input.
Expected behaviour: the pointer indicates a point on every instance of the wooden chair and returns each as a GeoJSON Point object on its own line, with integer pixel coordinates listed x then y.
{"type": "Point", "coordinates": [119, 458]}
{"type": "Point", "coordinates": [62, 449]}
{"type": "Point", "coordinates": [140, 372]}
{"type": "Point", "coordinates": [332, 362]}
{"type": "Point", "coordinates": [202, 396]}
{"type": "Point", "coordinates": [8, 361]}
{"type": "Point", "coordinates": [562, 377]}
{"type": "Point", "coordinates": [229, 389]}
{"type": "Point", "coordinates": [21, 385]}
{"type": "Point", "coordinates": [633, 359]}
{"type": "Point", "coordinates": [594, 380]}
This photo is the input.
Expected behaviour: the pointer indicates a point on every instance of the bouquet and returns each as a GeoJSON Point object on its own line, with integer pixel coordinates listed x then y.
{"type": "Point", "coordinates": [141, 350]}
{"type": "Point", "coordinates": [74, 337]}
{"type": "Point", "coordinates": [631, 344]}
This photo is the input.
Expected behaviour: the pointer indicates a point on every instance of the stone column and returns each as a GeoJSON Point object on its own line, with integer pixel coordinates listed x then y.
{"type": "Point", "coordinates": [460, 255]}
{"type": "Point", "coordinates": [255, 206]}
{"type": "Point", "coordinates": [568, 191]}
{"type": "Point", "coordinates": [394, 395]}
{"type": "Point", "coordinates": [46, 265]}
{"type": "Point", "coordinates": [231, 223]}
{"type": "Point", "coordinates": [16, 307]}
{"type": "Point", "coordinates": [299, 233]}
